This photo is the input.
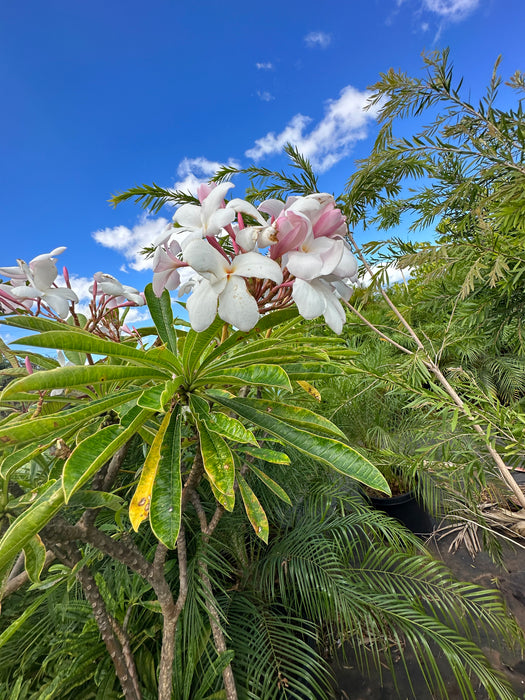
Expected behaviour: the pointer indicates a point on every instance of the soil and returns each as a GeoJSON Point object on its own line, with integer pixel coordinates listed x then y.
{"type": "Point", "coordinates": [352, 685]}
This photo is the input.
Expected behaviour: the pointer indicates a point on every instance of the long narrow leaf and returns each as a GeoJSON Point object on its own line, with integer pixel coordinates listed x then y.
{"type": "Point", "coordinates": [254, 510]}
{"type": "Point", "coordinates": [73, 376]}
{"type": "Point", "coordinates": [40, 428]}
{"type": "Point", "coordinates": [162, 315]}
{"type": "Point", "coordinates": [331, 452]}
{"type": "Point", "coordinates": [141, 502]}
{"type": "Point", "coordinates": [93, 452]}
{"type": "Point", "coordinates": [165, 511]}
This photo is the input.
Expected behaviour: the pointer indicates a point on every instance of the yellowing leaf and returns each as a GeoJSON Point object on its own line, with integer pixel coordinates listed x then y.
{"type": "Point", "coordinates": [141, 501]}
{"type": "Point", "coordinates": [254, 510]}
{"type": "Point", "coordinates": [309, 389]}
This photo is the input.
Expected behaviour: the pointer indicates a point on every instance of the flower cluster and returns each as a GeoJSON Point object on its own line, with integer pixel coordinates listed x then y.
{"type": "Point", "coordinates": [235, 260]}
{"type": "Point", "coordinates": [288, 252]}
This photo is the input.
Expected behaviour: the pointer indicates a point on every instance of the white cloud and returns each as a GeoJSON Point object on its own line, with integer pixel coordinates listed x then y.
{"type": "Point", "coordinates": [395, 275]}
{"type": "Point", "coordinates": [345, 122]}
{"type": "Point", "coordinates": [265, 96]}
{"type": "Point", "coordinates": [454, 10]}
{"type": "Point", "coordinates": [194, 171]}
{"type": "Point", "coordinates": [268, 65]}
{"type": "Point", "coordinates": [318, 39]}
{"type": "Point", "coordinates": [129, 242]}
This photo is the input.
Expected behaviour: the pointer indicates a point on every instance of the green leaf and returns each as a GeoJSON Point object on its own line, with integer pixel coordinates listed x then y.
{"type": "Point", "coordinates": [195, 345]}
{"type": "Point", "coordinates": [73, 376]}
{"type": "Point", "coordinates": [162, 315]}
{"type": "Point", "coordinates": [156, 397]}
{"type": "Point", "coordinates": [302, 418]}
{"type": "Point", "coordinates": [271, 484]}
{"type": "Point", "coordinates": [254, 510]}
{"type": "Point", "coordinates": [313, 370]}
{"type": "Point", "coordinates": [34, 558]}
{"type": "Point", "coordinates": [18, 458]}
{"type": "Point", "coordinates": [30, 522]}
{"type": "Point", "coordinates": [97, 499]}
{"type": "Point", "coordinates": [331, 452]}
{"type": "Point", "coordinates": [20, 620]}
{"type": "Point", "coordinates": [39, 428]}
{"type": "Point", "coordinates": [93, 452]}
{"type": "Point", "coordinates": [258, 375]}
{"type": "Point", "coordinates": [86, 342]}
{"type": "Point", "coordinates": [141, 502]}
{"type": "Point", "coordinates": [217, 459]}
{"type": "Point", "coordinates": [166, 506]}
{"type": "Point", "coordinates": [230, 428]}
{"type": "Point", "coordinates": [266, 455]}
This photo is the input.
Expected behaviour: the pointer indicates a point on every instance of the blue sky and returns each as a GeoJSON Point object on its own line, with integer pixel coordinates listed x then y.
{"type": "Point", "coordinates": [100, 96]}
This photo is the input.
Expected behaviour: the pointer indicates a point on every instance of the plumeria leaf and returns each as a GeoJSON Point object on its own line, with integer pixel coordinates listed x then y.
{"type": "Point", "coordinates": [196, 343]}
{"type": "Point", "coordinates": [230, 428]}
{"type": "Point", "coordinates": [302, 418]}
{"type": "Point", "coordinates": [327, 450]}
{"type": "Point", "coordinates": [141, 502]}
{"type": "Point", "coordinates": [93, 452]}
{"type": "Point", "coordinates": [254, 510]}
{"type": "Point", "coordinates": [30, 522]}
{"type": "Point", "coordinates": [306, 371]}
{"type": "Point", "coordinates": [34, 558]}
{"type": "Point", "coordinates": [266, 455]}
{"type": "Point", "coordinates": [73, 376]}
{"type": "Point", "coordinates": [42, 325]}
{"type": "Point", "coordinates": [85, 342]}
{"type": "Point", "coordinates": [217, 459]}
{"type": "Point", "coordinates": [227, 501]}
{"type": "Point", "coordinates": [271, 484]}
{"type": "Point", "coordinates": [156, 397]}
{"type": "Point", "coordinates": [14, 460]}
{"type": "Point", "coordinates": [162, 315]}
{"type": "Point", "coordinates": [41, 428]}
{"type": "Point", "coordinates": [311, 390]}
{"type": "Point", "coordinates": [166, 510]}
{"type": "Point", "coordinates": [258, 375]}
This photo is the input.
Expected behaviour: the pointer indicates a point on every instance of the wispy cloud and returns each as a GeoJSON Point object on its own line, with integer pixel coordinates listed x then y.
{"type": "Point", "coordinates": [318, 40]}
{"type": "Point", "coordinates": [265, 96]}
{"type": "Point", "coordinates": [453, 10]}
{"type": "Point", "coordinates": [130, 241]}
{"type": "Point", "coordinates": [265, 65]}
{"type": "Point", "coordinates": [345, 122]}
{"type": "Point", "coordinates": [194, 171]}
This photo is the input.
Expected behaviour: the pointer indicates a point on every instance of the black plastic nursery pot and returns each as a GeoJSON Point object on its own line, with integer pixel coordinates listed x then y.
{"type": "Point", "coordinates": [407, 510]}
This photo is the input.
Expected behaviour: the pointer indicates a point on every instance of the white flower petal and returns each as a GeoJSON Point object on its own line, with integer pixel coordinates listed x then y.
{"type": "Point", "coordinates": [202, 306]}
{"type": "Point", "coordinates": [257, 265]}
{"type": "Point", "coordinates": [237, 306]}
{"type": "Point", "coordinates": [334, 314]}
{"type": "Point", "coordinates": [305, 266]}
{"type": "Point", "coordinates": [214, 200]}
{"type": "Point", "coordinates": [273, 207]}
{"type": "Point", "coordinates": [44, 272]}
{"type": "Point", "coordinates": [310, 302]}
{"type": "Point", "coordinates": [188, 216]}
{"type": "Point", "coordinates": [218, 220]}
{"type": "Point", "coordinates": [243, 207]}
{"type": "Point", "coordinates": [246, 238]}
{"type": "Point", "coordinates": [205, 259]}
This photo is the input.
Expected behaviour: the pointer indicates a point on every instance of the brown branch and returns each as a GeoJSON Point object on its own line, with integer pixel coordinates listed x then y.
{"type": "Point", "coordinates": [211, 605]}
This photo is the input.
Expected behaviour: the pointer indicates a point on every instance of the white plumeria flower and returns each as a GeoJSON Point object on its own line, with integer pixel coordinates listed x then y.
{"type": "Point", "coordinates": [315, 257]}
{"type": "Point", "coordinates": [208, 219]}
{"type": "Point", "coordinates": [317, 297]}
{"type": "Point", "coordinates": [17, 273]}
{"type": "Point", "coordinates": [41, 275]}
{"type": "Point", "coordinates": [223, 285]}
{"type": "Point", "coordinates": [107, 284]}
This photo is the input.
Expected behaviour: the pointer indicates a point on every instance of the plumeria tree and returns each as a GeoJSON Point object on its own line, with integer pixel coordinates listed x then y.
{"type": "Point", "coordinates": [175, 428]}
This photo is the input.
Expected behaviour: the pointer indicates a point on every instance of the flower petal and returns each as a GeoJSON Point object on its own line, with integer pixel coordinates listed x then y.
{"type": "Point", "coordinates": [237, 306]}
{"type": "Point", "coordinates": [257, 265]}
{"type": "Point", "coordinates": [202, 306]}
{"type": "Point", "coordinates": [214, 200]}
{"type": "Point", "coordinates": [206, 260]}
{"type": "Point", "coordinates": [310, 302]}
{"type": "Point", "coordinates": [188, 216]}
{"type": "Point", "coordinates": [243, 207]}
